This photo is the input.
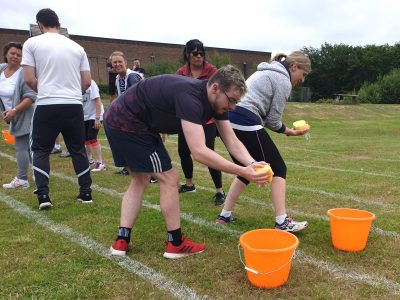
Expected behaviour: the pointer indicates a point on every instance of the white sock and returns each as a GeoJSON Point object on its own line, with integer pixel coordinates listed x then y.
{"type": "Point", "coordinates": [226, 213]}
{"type": "Point", "coordinates": [57, 146]}
{"type": "Point", "coordinates": [280, 219]}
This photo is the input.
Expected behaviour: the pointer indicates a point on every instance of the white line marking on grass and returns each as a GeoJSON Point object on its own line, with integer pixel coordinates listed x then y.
{"type": "Point", "coordinates": [343, 170]}
{"type": "Point", "coordinates": [345, 197]}
{"type": "Point", "coordinates": [339, 272]}
{"type": "Point", "coordinates": [178, 290]}
{"type": "Point", "coordinates": [323, 168]}
{"type": "Point", "coordinates": [345, 273]}
{"type": "Point", "coordinates": [253, 201]}
{"type": "Point", "coordinates": [357, 157]}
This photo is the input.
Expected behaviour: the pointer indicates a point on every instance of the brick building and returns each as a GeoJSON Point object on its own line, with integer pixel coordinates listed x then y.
{"type": "Point", "coordinates": [98, 49]}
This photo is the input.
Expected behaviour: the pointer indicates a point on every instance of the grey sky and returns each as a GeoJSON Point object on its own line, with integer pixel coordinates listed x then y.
{"type": "Point", "coordinates": [263, 25]}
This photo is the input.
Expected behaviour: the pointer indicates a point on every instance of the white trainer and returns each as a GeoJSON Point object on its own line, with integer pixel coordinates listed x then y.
{"type": "Point", "coordinates": [99, 167]}
{"type": "Point", "coordinates": [17, 184]}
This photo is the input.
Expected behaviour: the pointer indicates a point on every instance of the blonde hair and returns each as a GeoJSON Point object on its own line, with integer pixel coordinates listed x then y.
{"type": "Point", "coordinates": [296, 57]}
{"type": "Point", "coordinates": [117, 53]}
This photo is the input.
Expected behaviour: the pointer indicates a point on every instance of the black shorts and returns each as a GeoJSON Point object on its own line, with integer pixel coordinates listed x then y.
{"type": "Point", "coordinates": [141, 152]}
{"type": "Point", "coordinates": [90, 131]}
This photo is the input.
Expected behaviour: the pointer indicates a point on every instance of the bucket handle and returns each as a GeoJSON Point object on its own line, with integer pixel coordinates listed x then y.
{"type": "Point", "coordinates": [264, 273]}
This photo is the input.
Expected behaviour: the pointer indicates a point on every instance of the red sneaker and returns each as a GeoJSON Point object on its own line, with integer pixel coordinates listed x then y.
{"type": "Point", "coordinates": [186, 248]}
{"type": "Point", "coordinates": [119, 247]}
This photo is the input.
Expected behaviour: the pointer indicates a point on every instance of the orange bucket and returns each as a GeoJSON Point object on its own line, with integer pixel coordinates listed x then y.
{"type": "Point", "coordinates": [8, 137]}
{"type": "Point", "coordinates": [268, 255]}
{"type": "Point", "coordinates": [350, 228]}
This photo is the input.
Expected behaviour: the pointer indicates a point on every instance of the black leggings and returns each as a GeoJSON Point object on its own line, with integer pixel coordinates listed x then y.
{"type": "Point", "coordinates": [261, 147]}
{"type": "Point", "coordinates": [210, 132]}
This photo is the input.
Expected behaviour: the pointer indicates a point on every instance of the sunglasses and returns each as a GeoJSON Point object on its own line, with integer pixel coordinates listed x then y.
{"type": "Point", "coordinates": [195, 53]}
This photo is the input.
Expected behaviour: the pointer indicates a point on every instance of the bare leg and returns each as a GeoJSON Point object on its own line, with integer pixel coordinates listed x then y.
{"type": "Point", "coordinates": [189, 181]}
{"type": "Point", "coordinates": [96, 152]}
{"type": "Point", "coordinates": [132, 200]}
{"type": "Point", "coordinates": [235, 190]}
{"type": "Point", "coordinates": [169, 198]}
{"type": "Point", "coordinates": [278, 191]}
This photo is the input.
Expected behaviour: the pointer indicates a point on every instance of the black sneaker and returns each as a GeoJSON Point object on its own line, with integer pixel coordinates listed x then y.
{"type": "Point", "coordinates": [219, 198]}
{"type": "Point", "coordinates": [85, 197]}
{"type": "Point", "coordinates": [153, 179]}
{"type": "Point", "coordinates": [223, 220]}
{"type": "Point", "coordinates": [124, 171]}
{"type": "Point", "coordinates": [44, 201]}
{"type": "Point", "coordinates": [187, 188]}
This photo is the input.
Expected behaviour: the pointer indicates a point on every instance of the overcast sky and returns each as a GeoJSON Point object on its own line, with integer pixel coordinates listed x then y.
{"type": "Point", "coordinates": [261, 25]}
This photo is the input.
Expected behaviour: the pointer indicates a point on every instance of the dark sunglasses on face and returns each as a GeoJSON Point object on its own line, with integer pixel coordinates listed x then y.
{"type": "Point", "coordinates": [195, 53]}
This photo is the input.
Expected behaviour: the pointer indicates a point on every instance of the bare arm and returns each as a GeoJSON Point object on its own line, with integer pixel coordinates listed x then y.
{"type": "Point", "coordinates": [30, 77]}
{"type": "Point", "coordinates": [86, 80]}
{"type": "Point", "coordinates": [97, 123]}
{"type": "Point", "coordinates": [10, 114]}
{"type": "Point", "coordinates": [195, 139]}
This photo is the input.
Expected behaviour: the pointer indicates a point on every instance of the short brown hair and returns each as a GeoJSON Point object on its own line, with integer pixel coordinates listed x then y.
{"type": "Point", "coordinates": [8, 46]}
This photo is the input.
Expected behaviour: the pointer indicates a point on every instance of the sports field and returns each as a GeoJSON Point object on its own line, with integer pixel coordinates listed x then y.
{"type": "Point", "coordinates": [351, 160]}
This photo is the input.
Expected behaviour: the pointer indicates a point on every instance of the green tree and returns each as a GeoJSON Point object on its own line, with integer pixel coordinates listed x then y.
{"type": "Point", "coordinates": [162, 67]}
{"type": "Point", "coordinates": [342, 68]}
{"type": "Point", "coordinates": [385, 90]}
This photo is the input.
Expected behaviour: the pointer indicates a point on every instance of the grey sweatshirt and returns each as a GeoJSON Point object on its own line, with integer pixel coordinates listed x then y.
{"type": "Point", "coordinates": [22, 122]}
{"type": "Point", "coordinates": [268, 90]}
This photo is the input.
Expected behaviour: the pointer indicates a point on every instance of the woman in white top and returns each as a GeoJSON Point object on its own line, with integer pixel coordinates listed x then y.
{"type": "Point", "coordinates": [17, 98]}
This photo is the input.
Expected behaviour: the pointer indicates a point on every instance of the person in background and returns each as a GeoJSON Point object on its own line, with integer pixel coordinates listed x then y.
{"type": "Point", "coordinates": [124, 79]}
{"type": "Point", "coordinates": [93, 116]}
{"type": "Point", "coordinates": [168, 104]}
{"type": "Point", "coordinates": [18, 100]}
{"type": "Point", "coordinates": [112, 75]}
{"type": "Point", "coordinates": [137, 67]}
{"type": "Point", "coordinates": [57, 145]}
{"type": "Point", "coordinates": [59, 102]}
{"type": "Point", "coordinates": [268, 90]}
{"type": "Point", "coordinates": [197, 67]}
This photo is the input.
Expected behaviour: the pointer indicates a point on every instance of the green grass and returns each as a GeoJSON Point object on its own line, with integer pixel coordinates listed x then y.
{"type": "Point", "coordinates": [351, 160]}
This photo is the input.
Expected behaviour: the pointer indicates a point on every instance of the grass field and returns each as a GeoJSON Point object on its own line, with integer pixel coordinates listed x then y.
{"type": "Point", "coordinates": [352, 160]}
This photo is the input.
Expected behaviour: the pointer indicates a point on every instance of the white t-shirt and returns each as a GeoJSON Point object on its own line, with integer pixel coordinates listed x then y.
{"type": "Point", "coordinates": [89, 102]}
{"type": "Point", "coordinates": [7, 88]}
{"type": "Point", "coordinates": [58, 62]}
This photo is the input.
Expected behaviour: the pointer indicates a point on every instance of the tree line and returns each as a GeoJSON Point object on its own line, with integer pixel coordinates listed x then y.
{"type": "Point", "coordinates": [371, 71]}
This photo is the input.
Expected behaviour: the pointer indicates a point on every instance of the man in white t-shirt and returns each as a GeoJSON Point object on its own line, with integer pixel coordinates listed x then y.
{"type": "Point", "coordinates": [58, 69]}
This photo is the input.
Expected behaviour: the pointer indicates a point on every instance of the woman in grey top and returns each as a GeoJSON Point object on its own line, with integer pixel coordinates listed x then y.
{"type": "Point", "coordinates": [17, 98]}
{"type": "Point", "coordinates": [268, 90]}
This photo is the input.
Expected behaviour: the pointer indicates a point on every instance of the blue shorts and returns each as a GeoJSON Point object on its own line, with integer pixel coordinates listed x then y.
{"type": "Point", "coordinates": [141, 152]}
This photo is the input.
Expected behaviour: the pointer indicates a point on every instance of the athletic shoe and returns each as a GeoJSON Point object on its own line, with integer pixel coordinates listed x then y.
{"type": "Point", "coordinates": [219, 198]}
{"type": "Point", "coordinates": [16, 184]}
{"type": "Point", "coordinates": [44, 202]}
{"type": "Point", "coordinates": [85, 197]}
{"type": "Point", "coordinates": [55, 151]}
{"type": "Point", "coordinates": [223, 220]}
{"type": "Point", "coordinates": [91, 162]}
{"type": "Point", "coordinates": [186, 248]}
{"type": "Point", "coordinates": [99, 167]}
{"type": "Point", "coordinates": [124, 171]}
{"type": "Point", "coordinates": [64, 154]}
{"type": "Point", "coordinates": [119, 247]}
{"type": "Point", "coordinates": [187, 188]}
{"type": "Point", "coordinates": [153, 180]}
{"type": "Point", "coordinates": [291, 225]}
